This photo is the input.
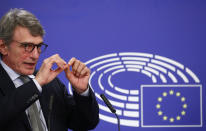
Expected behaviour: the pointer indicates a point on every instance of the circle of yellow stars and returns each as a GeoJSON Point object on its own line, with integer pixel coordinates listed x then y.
{"type": "Point", "coordinates": [164, 116]}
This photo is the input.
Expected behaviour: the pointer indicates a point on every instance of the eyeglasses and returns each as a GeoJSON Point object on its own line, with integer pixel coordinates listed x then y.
{"type": "Point", "coordinates": [29, 47]}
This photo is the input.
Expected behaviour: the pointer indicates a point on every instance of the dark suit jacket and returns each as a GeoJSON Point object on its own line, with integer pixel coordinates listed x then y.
{"type": "Point", "coordinates": [61, 111]}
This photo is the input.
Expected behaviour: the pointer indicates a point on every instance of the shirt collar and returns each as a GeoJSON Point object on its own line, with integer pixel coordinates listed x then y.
{"type": "Point", "coordinates": [12, 74]}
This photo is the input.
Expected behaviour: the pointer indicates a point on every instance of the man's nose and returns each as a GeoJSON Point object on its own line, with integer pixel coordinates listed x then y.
{"type": "Point", "coordinates": [35, 53]}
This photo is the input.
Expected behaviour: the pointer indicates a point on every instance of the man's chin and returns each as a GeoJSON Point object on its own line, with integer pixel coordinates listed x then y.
{"type": "Point", "coordinates": [28, 72]}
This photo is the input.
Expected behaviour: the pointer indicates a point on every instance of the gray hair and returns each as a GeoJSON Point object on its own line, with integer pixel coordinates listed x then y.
{"type": "Point", "coordinates": [19, 17]}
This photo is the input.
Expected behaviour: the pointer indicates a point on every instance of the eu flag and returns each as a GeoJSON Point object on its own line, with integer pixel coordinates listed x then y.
{"type": "Point", "coordinates": [171, 106]}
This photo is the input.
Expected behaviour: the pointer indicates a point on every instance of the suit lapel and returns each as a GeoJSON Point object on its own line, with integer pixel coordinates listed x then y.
{"type": "Point", "coordinates": [6, 86]}
{"type": "Point", "coordinates": [6, 83]}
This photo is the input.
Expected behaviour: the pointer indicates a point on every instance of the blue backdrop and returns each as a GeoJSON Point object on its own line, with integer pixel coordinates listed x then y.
{"type": "Point", "coordinates": [146, 56]}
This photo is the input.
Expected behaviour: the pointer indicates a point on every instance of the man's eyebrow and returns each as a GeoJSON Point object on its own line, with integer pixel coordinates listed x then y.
{"type": "Point", "coordinates": [25, 42]}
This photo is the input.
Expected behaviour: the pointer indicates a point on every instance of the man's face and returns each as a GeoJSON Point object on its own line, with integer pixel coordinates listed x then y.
{"type": "Point", "coordinates": [16, 57]}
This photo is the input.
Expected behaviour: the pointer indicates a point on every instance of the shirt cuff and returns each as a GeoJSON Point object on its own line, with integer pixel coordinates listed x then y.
{"type": "Point", "coordinates": [85, 93]}
{"type": "Point", "coordinates": [37, 85]}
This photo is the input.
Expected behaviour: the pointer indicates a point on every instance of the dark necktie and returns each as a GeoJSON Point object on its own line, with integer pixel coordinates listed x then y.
{"type": "Point", "coordinates": [33, 113]}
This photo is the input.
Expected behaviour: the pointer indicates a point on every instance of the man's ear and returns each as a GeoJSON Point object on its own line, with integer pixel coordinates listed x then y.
{"type": "Point", "coordinates": [3, 48]}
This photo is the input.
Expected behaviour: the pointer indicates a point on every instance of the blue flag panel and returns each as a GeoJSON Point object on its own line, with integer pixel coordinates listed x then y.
{"type": "Point", "coordinates": [171, 106]}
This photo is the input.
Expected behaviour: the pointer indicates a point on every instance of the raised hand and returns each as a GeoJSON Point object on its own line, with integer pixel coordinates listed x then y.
{"type": "Point", "coordinates": [46, 73]}
{"type": "Point", "coordinates": [78, 75]}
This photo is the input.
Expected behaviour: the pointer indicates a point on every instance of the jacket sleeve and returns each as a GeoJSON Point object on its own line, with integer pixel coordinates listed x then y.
{"type": "Point", "coordinates": [85, 110]}
{"type": "Point", "coordinates": [14, 101]}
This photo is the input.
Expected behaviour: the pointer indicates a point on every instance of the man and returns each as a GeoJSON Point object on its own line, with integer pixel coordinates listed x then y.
{"type": "Point", "coordinates": [26, 94]}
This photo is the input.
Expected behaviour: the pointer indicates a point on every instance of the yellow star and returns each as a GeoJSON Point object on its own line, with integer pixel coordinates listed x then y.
{"type": "Point", "coordinates": [178, 118]}
{"type": "Point", "coordinates": [160, 113]}
{"type": "Point", "coordinates": [159, 99]}
{"type": "Point", "coordinates": [183, 99]}
{"type": "Point", "coordinates": [184, 106]}
{"type": "Point", "coordinates": [172, 119]}
{"type": "Point", "coordinates": [183, 113]}
{"type": "Point", "coordinates": [158, 106]}
{"type": "Point", "coordinates": [171, 92]}
{"type": "Point", "coordinates": [178, 94]}
{"type": "Point", "coordinates": [164, 118]}
{"type": "Point", "coordinates": [164, 94]}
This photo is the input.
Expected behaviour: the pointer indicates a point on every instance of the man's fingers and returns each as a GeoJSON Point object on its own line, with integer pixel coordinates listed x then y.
{"type": "Point", "coordinates": [58, 70]}
{"type": "Point", "coordinates": [57, 60]}
{"type": "Point", "coordinates": [79, 69]}
{"type": "Point", "coordinates": [71, 61]}
{"type": "Point", "coordinates": [74, 63]}
{"type": "Point", "coordinates": [84, 71]}
{"type": "Point", "coordinates": [46, 73]}
{"type": "Point", "coordinates": [77, 66]}
{"type": "Point", "coordinates": [68, 72]}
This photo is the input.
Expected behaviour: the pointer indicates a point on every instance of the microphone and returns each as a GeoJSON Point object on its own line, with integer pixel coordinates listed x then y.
{"type": "Point", "coordinates": [112, 109]}
{"type": "Point", "coordinates": [109, 105]}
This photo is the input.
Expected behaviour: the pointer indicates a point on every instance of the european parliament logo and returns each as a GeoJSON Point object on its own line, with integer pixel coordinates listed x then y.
{"type": "Point", "coordinates": [147, 90]}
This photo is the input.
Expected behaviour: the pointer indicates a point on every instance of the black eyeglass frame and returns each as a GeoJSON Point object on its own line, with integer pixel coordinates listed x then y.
{"type": "Point", "coordinates": [27, 44]}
